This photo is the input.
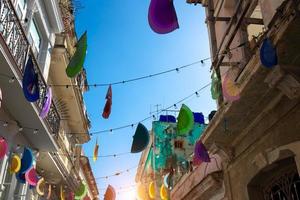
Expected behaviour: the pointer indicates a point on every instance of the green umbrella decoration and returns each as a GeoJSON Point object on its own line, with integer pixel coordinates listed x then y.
{"type": "Point", "coordinates": [185, 121]}
{"type": "Point", "coordinates": [216, 87]}
{"type": "Point", "coordinates": [78, 58]}
{"type": "Point", "coordinates": [81, 191]}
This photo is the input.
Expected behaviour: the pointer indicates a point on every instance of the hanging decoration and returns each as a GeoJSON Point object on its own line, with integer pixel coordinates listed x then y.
{"type": "Point", "coordinates": [110, 193]}
{"type": "Point", "coordinates": [49, 192]}
{"type": "Point", "coordinates": [81, 191]}
{"type": "Point", "coordinates": [141, 139]}
{"type": "Point", "coordinates": [185, 121]}
{"type": "Point", "coordinates": [198, 118]}
{"type": "Point", "coordinates": [26, 161]}
{"type": "Point", "coordinates": [152, 190]}
{"type": "Point", "coordinates": [62, 193]}
{"type": "Point", "coordinates": [3, 148]}
{"type": "Point", "coordinates": [167, 118]}
{"type": "Point", "coordinates": [164, 192]}
{"type": "Point", "coordinates": [268, 54]}
{"type": "Point", "coordinates": [108, 104]}
{"type": "Point", "coordinates": [40, 187]}
{"type": "Point", "coordinates": [78, 58]}
{"type": "Point", "coordinates": [47, 103]}
{"type": "Point", "coordinates": [162, 16]}
{"type": "Point", "coordinates": [31, 177]}
{"type": "Point", "coordinates": [216, 86]}
{"type": "Point", "coordinates": [15, 164]}
{"type": "Point", "coordinates": [230, 89]}
{"type": "Point", "coordinates": [200, 153]}
{"type": "Point", "coordinates": [30, 82]}
{"type": "Point", "coordinates": [95, 156]}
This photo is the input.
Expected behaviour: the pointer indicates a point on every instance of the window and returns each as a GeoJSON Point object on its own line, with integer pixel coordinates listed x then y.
{"type": "Point", "coordinates": [178, 144]}
{"type": "Point", "coordinates": [35, 36]}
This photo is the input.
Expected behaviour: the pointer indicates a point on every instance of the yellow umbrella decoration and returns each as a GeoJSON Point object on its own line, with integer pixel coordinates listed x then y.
{"type": "Point", "coordinates": [15, 165]}
{"type": "Point", "coordinates": [62, 193]}
{"type": "Point", "coordinates": [40, 187]}
{"type": "Point", "coordinates": [230, 89]}
{"type": "Point", "coordinates": [163, 192]}
{"type": "Point", "coordinates": [95, 156]}
{"type": "Point", "coordinates": [152, 190]}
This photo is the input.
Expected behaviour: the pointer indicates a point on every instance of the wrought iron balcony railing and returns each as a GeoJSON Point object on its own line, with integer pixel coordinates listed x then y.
{"type": "Point", "coordinates": [13, 34]}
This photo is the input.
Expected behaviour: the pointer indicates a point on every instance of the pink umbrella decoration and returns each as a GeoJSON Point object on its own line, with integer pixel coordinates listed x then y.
{"type": "Point", "coordinates": [162, 16]}
{"type": "Point", "coordinates": [47, 104]}
{"type": "Point", "coordinates": [200, 153]}
{"type": "Point", "coordinates": [230, 90]}
{"type": "Point", "coordinates": [31, 177]}
{"type": "Point", "coordinates": [71, 196]}
{"type": "Point", "coordinates": [3, 148]}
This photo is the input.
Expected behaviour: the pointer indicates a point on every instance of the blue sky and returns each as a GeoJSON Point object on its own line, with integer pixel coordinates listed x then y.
{"type": "Point", "coordinates": [121, 46]}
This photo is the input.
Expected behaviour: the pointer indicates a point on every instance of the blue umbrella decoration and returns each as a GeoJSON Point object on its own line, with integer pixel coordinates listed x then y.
{"type": "Point", "coordinates": [30, 82]}
{"type": "Point", "coordinates": [141, 139]}
{"type": "Point", "coordinates": [268, 54]}
{"type": "Point", "coordinates": [26, 161]}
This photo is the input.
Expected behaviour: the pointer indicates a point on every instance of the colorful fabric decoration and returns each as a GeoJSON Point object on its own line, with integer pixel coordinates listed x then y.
{"type": "Point", "coordinates": [78, 58]}
{"type": "Point", "coordinates": [268, 54]}
{"type": "Point", "coordinates": [110, 193]}
{"type": "Point", "coordinates": [3, 148]}
{"type": "Point", "coordinates": [40, 187]}
{"type": "Point", "coordinates": [152, 190]}
{"type": "Point", "coordinates": [162, 16]}
{"type": "Point", "coordinates": [198, 118]}
{"type": "Point", "coordinates": [167, 118]}
{"type": "Point", "coordinates": [31, 177]}
{"type": "Point", "coordinates": [95, 156]}
{"type": "Point", "coordinates": [230, 90]}
{"type": "Point", "coordinates": [108, 104]}
{"type": "Point", "coordinates": [15, 164]}
{"type": "Point", "coordinates": [185, 121]}
{"type": "Point", "coordinates": [200, 153]}
{"type": "Point", "coordinates": [62, 193]}
{"type": "Point", "coordinates": [164, 192]}
{"type": "Point", "coordinates": [26, 161]}
{"type": "Point", "coordinates": [81, 191]}
{"type": "Point", "coordinates": [141, 139]}
{"type": "Point", "coordinates": [49, 192]}
{"type": "Point", "coordinates": [30, 82]}
{"type": "Point", "coordinates": [21, 177]}
{"type": "Point", "coordinates": [216, 86]}
{"type": "Point", "coordinates": [47, 104]}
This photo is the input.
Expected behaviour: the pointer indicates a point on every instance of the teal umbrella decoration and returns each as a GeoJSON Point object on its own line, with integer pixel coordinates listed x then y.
{"type": "Point", "coordinates": [141, 139]}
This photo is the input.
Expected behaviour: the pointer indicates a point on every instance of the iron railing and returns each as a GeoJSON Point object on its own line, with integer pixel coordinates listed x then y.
{"type": "Point", "coordinates": [13, 34]}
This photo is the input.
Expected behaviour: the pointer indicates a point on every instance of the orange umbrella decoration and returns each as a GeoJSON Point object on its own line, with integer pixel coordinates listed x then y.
{"type": "Point", "coordinates": [152, 190]}
{"type": "Point", "coordinates": [107, 107]}
{"type": "Point", "coordinates": [3, 148]}
{"type": "Point", "coordinates": [95, 156]}
{"type": "Point", "coordinates": [40, 187]}
{"type": "Point", "coordinates": [230, 90]}
{"type": "Point", "coordinates": [110, 193]}
{"type": "Point", "coordinates": [15, 164]}
{"type": "Point", "coordinates": [164, 192]}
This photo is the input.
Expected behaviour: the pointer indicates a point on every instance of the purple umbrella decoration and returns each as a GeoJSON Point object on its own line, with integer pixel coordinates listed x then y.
{"type": "Point", "coordinates": [200, 153]}
{"type": "Point", "coordinates": [47, 103]}
{"type": "Point", "coordinates": [162, 16]}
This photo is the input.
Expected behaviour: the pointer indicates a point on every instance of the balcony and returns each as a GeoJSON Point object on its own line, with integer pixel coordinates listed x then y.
{"type": "Point", "coordinates": [15, 49]}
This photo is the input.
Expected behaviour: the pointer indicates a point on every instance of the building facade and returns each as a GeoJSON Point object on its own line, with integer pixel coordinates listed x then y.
{"type": "Point", "coordinates": [42, 32]}
{"type": "Point", "coordinates": [253, 139]}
